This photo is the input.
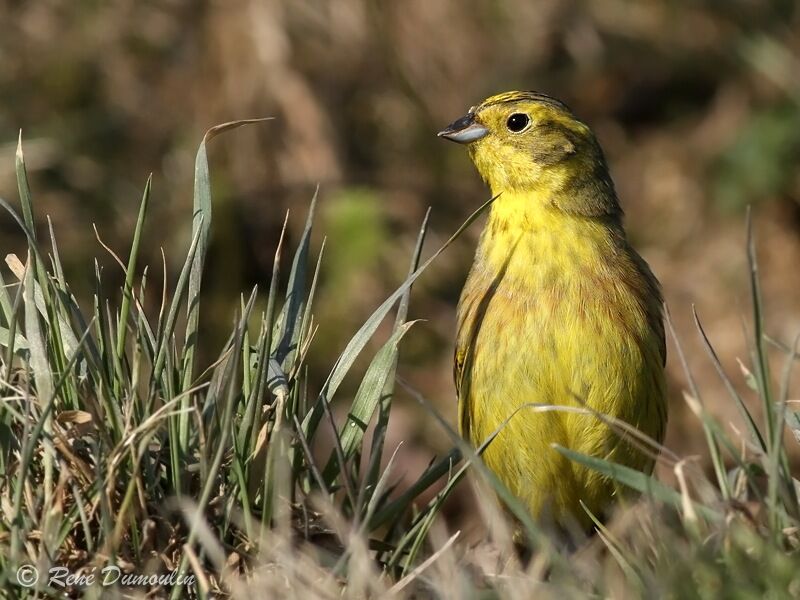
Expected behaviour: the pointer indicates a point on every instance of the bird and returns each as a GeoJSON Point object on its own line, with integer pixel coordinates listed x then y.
{"type": "Point", "coordinates": [558, 310]}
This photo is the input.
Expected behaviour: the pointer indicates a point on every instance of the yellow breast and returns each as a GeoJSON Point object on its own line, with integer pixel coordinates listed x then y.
{"type": "Point", "coordinates": [558, 310]}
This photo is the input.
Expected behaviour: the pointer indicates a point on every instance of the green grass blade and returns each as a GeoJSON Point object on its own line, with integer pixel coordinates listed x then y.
{"type": "Point", "coordinates": [743, 410]}
{"type": "Point", "coordinates": [252, 419]}
{"type": "Point", "coordinates": [40, 366]}
{"type": "Point", "coordinates": [711, 440]}
{"type": "Point", "coordinates": [382, 423]}
{"type": "Point", "coordinates": [305, 326]}
{"type": "Point", "coordinates": [57, 267]}
{"type": "Point", "coordinates": [793, 423]}
{"type": "Point", "coordinates": [59, 351]}
{"type": "Point", "coordinates": [5, 301]}
{"type": "Point", "coordinates": [367, 399]}
{"type": "Point", "coordinates": [398, 506]}
{"type": "Point", "coordinates": [760, 359]}
{"type": "Point", "coordinates": [779, 476]}
{"type": "Point", "coordinates": [12, 329]}
{"type": "Point", "coordinates": [40, 363]}
{"type": "Point", "coordinates": [363, 335]}
{"type": "Point", "coordinates": [636, 480]}
{"type": "Point", "coordinates": [291, 316]}
{"type": "Point", "coordinates": [24, 190]}
{"type": "Point", "coordinates": [165, 334]}
{"type": "Point", "coordinates": [776, 456]}
{"type": "Point", "coordinates": [20, 343]}
{"type": "Point", "coordinates": [201, 226]}
{"type": "Point", "coordinates": [127, 292]}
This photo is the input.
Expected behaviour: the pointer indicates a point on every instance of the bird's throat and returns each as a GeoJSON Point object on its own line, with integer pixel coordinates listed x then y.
{"type": "Point", "coordinates": [529, 240]}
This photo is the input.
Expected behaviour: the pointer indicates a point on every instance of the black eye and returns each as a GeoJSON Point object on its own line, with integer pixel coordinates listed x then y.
{"type": "Point", "coordinates": [517, 122]}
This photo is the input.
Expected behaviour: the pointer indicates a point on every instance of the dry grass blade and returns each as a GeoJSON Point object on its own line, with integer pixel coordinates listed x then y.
{"type": "Point", "coordinates": [414, 574]}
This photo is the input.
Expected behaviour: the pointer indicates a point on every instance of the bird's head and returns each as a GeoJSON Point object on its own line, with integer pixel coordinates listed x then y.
{"type": "Point", "coordinates": [530, 142]}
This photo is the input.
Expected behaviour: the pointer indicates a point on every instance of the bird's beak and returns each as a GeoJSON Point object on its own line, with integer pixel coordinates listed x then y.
{"type": "Point", "coordinates": [464, 130]}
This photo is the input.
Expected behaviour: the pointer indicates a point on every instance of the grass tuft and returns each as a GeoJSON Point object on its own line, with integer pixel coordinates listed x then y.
{"type": "Point", "coordinates": [120, 451]}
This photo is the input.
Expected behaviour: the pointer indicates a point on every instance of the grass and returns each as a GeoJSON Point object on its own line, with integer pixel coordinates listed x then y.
{"type": "Point", "coordinates": [120, 452]}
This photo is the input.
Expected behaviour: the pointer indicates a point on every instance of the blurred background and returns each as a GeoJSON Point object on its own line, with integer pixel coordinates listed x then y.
{"type": "Point", "coordinates": [696, 103]}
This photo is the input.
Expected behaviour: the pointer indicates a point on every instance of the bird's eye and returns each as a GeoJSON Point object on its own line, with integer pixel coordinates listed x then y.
{"type": "Point", "coordinates": [517, 122]}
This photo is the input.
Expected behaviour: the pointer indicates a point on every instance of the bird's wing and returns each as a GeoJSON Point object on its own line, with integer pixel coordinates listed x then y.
{"type": "Point", "coordinates": [461, 366]}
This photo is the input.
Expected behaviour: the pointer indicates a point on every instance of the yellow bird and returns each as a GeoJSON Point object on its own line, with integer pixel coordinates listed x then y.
{"type": "Point", "coordinates": [558, 309]}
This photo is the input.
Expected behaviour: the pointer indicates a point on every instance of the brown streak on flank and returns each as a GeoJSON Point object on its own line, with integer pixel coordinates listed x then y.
{"type": "Point", "coordinates": [647, 291]}
{"type": "Point", "coordinates": [498, 226]}
{"type": "Point", "coordinates": [597, 287]}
